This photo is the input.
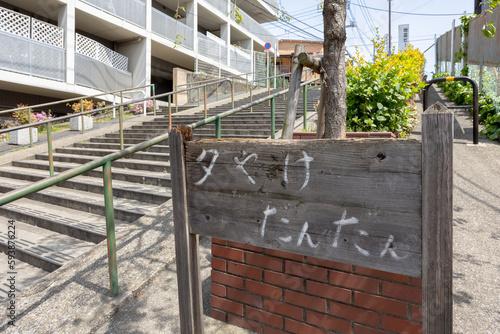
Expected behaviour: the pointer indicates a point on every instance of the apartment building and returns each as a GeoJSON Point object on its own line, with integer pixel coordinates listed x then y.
{"type": "Point", "coordinates": [53, 49]}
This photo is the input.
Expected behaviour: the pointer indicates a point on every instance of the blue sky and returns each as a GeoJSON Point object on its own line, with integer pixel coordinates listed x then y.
{"type": "Point", "coordinates": [306, 16]}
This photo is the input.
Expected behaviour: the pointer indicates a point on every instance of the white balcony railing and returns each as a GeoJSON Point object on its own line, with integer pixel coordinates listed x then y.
{"type": "Point", "coordinates": [133, 11]}
{"type": "Point", "coordinates": [92, 73]}
{"type": "Point", "coordinates": [212, 49]}
{"type": "Point", "coordinates": [30, 46]}
{"type": "Point", "coordinates": [96, 50]}
{"type": "Point", "coordinates": [240, 60]}
{"type": "Point", "coordinates": [171, 28]}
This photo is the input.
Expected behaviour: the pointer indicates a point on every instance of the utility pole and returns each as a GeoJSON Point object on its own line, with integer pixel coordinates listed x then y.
{"type": "Point", "coordinates": [390, 27]}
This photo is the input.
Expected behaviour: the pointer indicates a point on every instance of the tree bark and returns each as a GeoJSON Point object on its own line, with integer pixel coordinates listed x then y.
{"type": "Point", "coordinates": [333, 69]}
{"type": "Point", "coordinates": [309, 61]}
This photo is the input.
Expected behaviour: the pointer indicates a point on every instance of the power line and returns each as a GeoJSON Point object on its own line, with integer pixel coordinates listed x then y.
{"type": "Point", "coordinates": [406, 13]}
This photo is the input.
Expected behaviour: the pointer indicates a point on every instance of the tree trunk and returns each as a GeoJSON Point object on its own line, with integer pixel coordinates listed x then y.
{"type": "Point", "coordinates": [334, 71]}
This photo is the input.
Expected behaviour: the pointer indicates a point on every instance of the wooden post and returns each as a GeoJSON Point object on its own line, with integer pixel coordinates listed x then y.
{"type": "Point", "coordinates": [186, 244]}
{"type": "Point", "coordinates": [293, 94]}
{"type": "Point", "coordinates": [437, 218]}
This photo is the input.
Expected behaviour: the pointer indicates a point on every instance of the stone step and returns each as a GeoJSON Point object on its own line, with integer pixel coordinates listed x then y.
{"type": "Point", "coordinates": [74, 223]}
{"type": "Point", "coordinates": [122, 189]}
{"type": "Point", "coordinates": [25, 276]}
{"type": "Point", "coordinates": [125, 209]}
{"type": "Point", "coordinates": [99, 152]}
{"type": "Point", "coordinates": [212, 126]}
{"type": "Point", "coordinates": [155, 166]}
{"type": "Point", "coordinates": [160, 179]}
{"type": "Point", "coordinates": [116, 147]}
{"type": "Point", "coordinates": [40, 247]}
{"type": "Point", "coordinates": [227, 135]}
{"type": "Point", "coordinates": [126, 141]}
{"type": "Point", "coordinates": [234, 132]}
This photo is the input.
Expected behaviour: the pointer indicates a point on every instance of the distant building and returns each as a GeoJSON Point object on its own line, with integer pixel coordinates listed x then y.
{"type": "Point", "coordinates": [286, 52]}
{"type": "Point", "coordinates": [480, 7]}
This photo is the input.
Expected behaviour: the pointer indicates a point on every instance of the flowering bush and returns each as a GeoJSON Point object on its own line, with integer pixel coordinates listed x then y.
{"type": "Point", "coordinates": [42, 116]}
{"type": "Point", "coordinates": [380, 93]}
{"type": "Point", "coordinates": [138, 108]}
{"type": "Point", "coordinates": [76, 106]}
{"type": "Point", "coordinates": [21, 116]}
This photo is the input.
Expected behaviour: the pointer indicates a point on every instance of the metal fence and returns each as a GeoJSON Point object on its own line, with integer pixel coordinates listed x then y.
{"type": "Point", "coordinates": [23, 55]}
{"type": "Point", "coordinates": [212, 49]}
{"type": "Point", "coordinates": [133, 11]}
{"type": "Point", "coordinates": [241, 60]}
{"type": "Point", "coordinates": [92, 73]}
{"type": "Point", "coordinates": [170, 28]}
{"type": "Point", "coordinates": [96, 50]}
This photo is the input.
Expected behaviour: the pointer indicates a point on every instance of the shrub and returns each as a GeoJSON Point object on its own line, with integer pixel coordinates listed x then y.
{"type": "Point", "coordinates": [380, 93]}
{"type": "Point", "coordinates": [76, 106]}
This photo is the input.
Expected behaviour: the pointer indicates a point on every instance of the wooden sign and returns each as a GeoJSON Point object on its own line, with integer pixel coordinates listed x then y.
{"type": "Point", "coordinates": [381, 204]}
{"type": "Point", "coordinates": [355, 202]}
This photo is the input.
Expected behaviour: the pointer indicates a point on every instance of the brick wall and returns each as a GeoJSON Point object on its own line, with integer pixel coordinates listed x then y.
{"type": "Point", "coordinates": [270, 292]}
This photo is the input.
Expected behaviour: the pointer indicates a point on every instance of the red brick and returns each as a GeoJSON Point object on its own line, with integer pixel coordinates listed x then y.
{"type": "Point", "coordinates": [360, 329]}
{"type": "Point", "coordinates": [381, 274]}
{"type": "Point", "coordinates": [329, 264]}
{"type": "Point", "coordinates": [264, 317]}
{"type": "Point", "coordinates": [264, 289]}
{"type": "Point", "coordinates": [403, 292]}
{"type": "Point", "coordinates": [244, 323]}
{"type": "Point", "coordinates": [328, 322]}
{"type": "Point", "coordinates": [218, 290]}
{"type": "Point", "coordinates": [354, 313]}
{"type": "Point", "coordinates": [381, 304]}
{"type": "Point", "coordinates": [301, 328]}
{"type": "Point", "coordinates": [306, 271]}
{"type": "Point", "coordinates": [218, 314]}
{"type": "Point", "coordinates": [416, 281]}
{"type": "Point", "coordinates": [270, 330]}
{"type": "Point", "coordinates": [400, 325]}
{"type": "Point", "coordinates": [226, 305]}
{"type": "Point", "coordinates": [219, 241]}
{"type": "Point", "coordinates": [416, 313]}
{"type": "Point", "coordinates": [264, 261]}
{"type": "Point", "coordinates": [284, 309]}
{"type": "Point", "coordinates": [354, 281]}
{"type": "Point", "coordinates": [305, 301]}
{"type": "Point", "coordinates": [227, 253]}
{"type": "Point", "coordinates": [226, 279]}
{"type": "Point", "coordinates": [328, 291]}
{"type": "Point", "coordinates": [244, 270]}
{"type": "Point", "coordinates": [284, 280]}
{"type": "Point", "coordinates": [245, 246]}
{"type": "Point", "coordinates": [218, 264]}
{"type": "Point", "coordinates": [244, 297]}
{"type": "Point", "coordinates": [284, 255]}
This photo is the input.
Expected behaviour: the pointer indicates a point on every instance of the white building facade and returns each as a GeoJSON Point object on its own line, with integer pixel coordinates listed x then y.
{"type": "Point", "coordinates": [63, 48]}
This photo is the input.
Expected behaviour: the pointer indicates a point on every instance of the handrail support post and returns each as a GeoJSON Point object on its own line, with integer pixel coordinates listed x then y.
{"type": "Point", "coordinates": [110, 228]}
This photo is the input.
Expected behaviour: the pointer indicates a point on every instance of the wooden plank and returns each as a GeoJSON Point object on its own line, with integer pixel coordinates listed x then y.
{"type": "Point", "coordinates": [185, 247]}
{"type": "Point", "coordinates": [437, 217]}
{"type": "Point", "coordinates": [293, 94]}
{"type": "Point", "coordinates": [266, 192]}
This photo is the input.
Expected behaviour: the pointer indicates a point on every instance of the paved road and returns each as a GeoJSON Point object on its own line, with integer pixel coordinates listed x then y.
{"type": "Point", "coordinates": [476, 228]}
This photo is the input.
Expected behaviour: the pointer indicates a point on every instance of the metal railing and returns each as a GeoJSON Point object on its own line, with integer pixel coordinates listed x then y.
{"type": "Point", "coordinates": [271, 98]}
{"type": "Point", "coordinates": [105, 163]}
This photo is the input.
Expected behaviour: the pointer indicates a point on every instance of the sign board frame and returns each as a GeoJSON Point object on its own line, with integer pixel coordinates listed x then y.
{"type": "Point", "coordinates": [275, 194]}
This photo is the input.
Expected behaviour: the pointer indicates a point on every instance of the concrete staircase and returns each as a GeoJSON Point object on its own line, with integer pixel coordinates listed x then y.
{"type": "Point", "coordinates": [60, 223]}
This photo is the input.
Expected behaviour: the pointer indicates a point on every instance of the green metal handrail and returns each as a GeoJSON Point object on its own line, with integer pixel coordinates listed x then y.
{"type": "Point", "coordinates": [105, 162]}
{"type": "Point", "coordinates": [217, 118]}
{"type": "Point", "coordinates": [268, 85]}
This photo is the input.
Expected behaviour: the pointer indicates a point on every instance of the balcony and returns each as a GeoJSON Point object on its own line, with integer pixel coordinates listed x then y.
{"type": "Point", "coordinates": [211, 48]}
{"type": "Point", "coordinates": [100, 67]}
{"type": "Point", "coordinates": [30, 46]}
{"type": "Point", "coordinates": [221, 5]}
{"type": "Point", "coordinates": [133, 11]}
{"type": "Point", "coordinates": [241, 60]}
{"type": "Point", "coordinates": [170, 28]}
{"type": "Point", "coordinates": [254, 27]}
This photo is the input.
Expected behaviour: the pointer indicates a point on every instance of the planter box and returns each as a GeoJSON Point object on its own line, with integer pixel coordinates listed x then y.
{"type": "Point", "coordinates": [75, 123]}
{"type": "Point", "coordinates": [312, 135]}
{"type": "Point", "coordinates": [22, 137]}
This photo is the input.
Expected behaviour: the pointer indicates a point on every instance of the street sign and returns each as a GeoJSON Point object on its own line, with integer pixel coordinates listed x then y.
{"type": "Point", "coordinates": [267, 46]}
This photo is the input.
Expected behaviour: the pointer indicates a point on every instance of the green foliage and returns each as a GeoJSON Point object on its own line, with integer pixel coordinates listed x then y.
{"type": "Point", "coordinates": [462, 94]}
{"type": "Point", "coordinates": [380, 93]}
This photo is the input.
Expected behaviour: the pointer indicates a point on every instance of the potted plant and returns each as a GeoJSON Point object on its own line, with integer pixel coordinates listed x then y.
{"type": "Point", "coordinates": [75, 123]}
{"type": "Point", "coordinates": [22, 136]}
